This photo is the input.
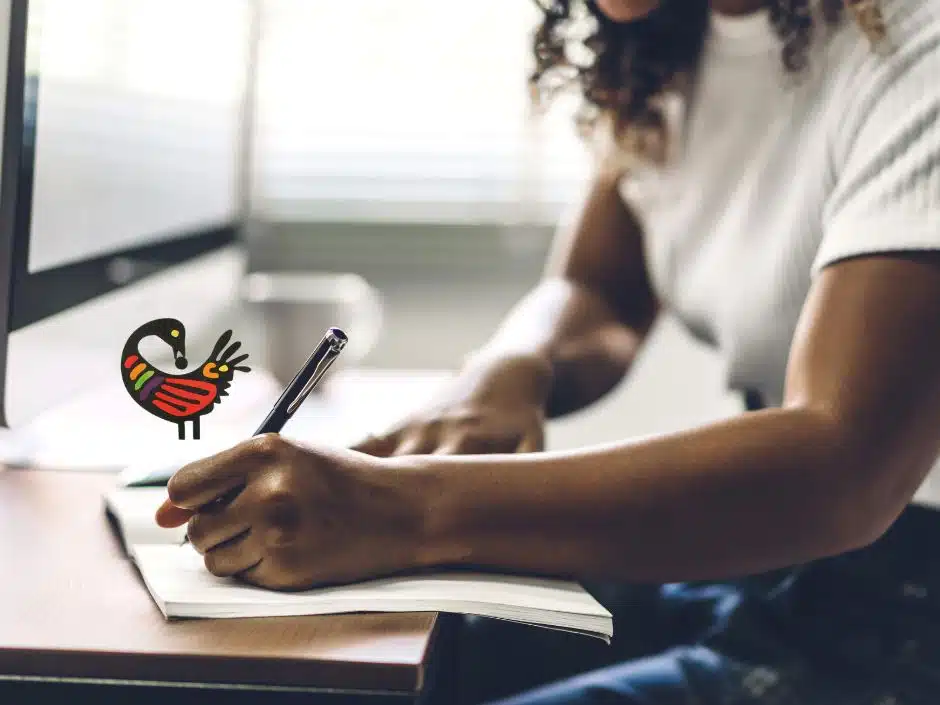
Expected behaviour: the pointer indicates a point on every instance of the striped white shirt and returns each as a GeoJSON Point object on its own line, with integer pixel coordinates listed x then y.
{"type": "Point", "coordinates": [776, 178]}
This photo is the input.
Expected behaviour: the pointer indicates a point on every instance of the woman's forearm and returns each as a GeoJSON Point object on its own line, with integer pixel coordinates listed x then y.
{"type": "Point", "coordinates": [584, 348]}
{"type": "Point", "coordinates": [588, 318]}
{"type": "Point", "coordinates": [754, 493]}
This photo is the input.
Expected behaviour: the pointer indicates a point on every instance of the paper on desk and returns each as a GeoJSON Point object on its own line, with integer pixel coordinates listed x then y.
{"type": "Point", "coordinates": [15, 449]}
{"type": "Point", "coordinates": [182, 588]}
{"type": "Point", "coordinates": [352, 404]}
{"type": "Point", "coordinates": [78, 436]}
{"type": "Point", "coordinates": [134, 511]}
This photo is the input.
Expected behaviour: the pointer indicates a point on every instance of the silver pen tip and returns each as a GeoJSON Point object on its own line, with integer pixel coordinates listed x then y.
{"type": "Point", "coordinates": [337, 339]}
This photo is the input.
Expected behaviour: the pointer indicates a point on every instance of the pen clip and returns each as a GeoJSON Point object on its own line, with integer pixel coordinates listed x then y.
{"type": "Point", "coordinates": [336, 346]}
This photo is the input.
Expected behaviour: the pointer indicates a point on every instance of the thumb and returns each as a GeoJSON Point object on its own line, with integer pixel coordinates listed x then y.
{"type": "Point", "coordinates": [170, 516]}
{"type": "Point", "coordinates": [379, 446]}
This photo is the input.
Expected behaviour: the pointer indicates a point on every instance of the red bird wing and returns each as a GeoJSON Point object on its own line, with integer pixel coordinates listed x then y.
{"type": "Point", "coordinates": [182, 397]}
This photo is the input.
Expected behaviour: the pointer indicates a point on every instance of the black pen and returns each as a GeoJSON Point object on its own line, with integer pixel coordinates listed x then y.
{"type": "Point", "coordinates": [303, 383]}
{"type": "Point", "coordinates": [300, 387]}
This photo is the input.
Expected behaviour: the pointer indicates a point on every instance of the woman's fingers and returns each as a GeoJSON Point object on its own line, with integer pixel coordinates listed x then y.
{"type": "Point", "coordinates": [489, 443]}
{"type": "Point", "coordinates": [416, 444]}
{"type": "Point", "coordinates": [217, 524]}
{"type": "Point", "coordinates": [533, 442]}
{"type": "Point", "coordinates": [170, 516]}
{"type": "Point", "coordinates": [238, 554]}
{"type": "Point", "coordinates": [466, 444]}
{"type": "Point", "coordinates": [454, 445]}
{"type": "Point", "coordinates": [378, 446]}
{"type": "Point", "coordinates": [213, 478]}
{"type": "Point", "coordinates": [267, 574]}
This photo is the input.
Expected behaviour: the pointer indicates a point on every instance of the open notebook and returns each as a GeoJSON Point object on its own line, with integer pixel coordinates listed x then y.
{"type": "Point", "coordinates": [182, 587]}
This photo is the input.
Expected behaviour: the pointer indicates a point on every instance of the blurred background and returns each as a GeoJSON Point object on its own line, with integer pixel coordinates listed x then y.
{"type": "Point", "coordinates": [392, 180]}
{"type": "Point", "coordinates": [394, 140]}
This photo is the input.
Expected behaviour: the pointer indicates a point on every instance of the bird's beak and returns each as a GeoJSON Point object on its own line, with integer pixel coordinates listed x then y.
{"type": "Point", "coordinates": [179, 353]}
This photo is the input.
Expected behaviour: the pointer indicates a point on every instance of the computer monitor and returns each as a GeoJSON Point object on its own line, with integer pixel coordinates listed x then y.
{"type": "Point", "coordinates": [124, 187]}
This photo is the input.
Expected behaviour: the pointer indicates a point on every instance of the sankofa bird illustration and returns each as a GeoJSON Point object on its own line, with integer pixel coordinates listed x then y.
{"type": "Point", "coordinates": [184, 397]}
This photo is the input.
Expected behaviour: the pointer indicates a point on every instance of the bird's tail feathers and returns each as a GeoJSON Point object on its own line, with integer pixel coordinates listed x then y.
{"type": "Point", "coordinates": [220, 344]}
{"type": "Point", "coordinates": [236, 363]}
{"type": "Point", "coordinates": [221, 354]}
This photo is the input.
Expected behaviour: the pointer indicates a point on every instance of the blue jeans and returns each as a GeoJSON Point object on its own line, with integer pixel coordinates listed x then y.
{"type": "Point", "coordinates": [857, 629]}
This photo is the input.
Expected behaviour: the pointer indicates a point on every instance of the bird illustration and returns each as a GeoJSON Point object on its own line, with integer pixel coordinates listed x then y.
{"type": "Point", "coordinates": [185, 397]}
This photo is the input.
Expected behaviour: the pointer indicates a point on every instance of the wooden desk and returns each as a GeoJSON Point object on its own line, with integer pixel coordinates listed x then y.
{"type": "Point", "coordinates": [73, 607]}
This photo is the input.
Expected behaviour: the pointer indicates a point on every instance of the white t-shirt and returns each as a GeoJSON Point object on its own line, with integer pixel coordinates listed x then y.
{"type": "Point", "coordinates": [776, 178]}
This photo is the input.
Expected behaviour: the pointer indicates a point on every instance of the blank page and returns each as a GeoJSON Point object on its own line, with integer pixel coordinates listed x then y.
{"type": "Point", "coordinates": [135, 511]}
{"type": "Point", "coordinates": [182, 587]}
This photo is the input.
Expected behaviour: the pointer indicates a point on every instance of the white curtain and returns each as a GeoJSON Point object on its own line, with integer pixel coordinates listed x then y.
{"type": "Point", "coordinates": [409, 111]}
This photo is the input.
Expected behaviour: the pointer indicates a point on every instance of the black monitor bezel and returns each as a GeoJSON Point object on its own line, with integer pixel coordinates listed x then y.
{"type": "Point", "coordinates": [9, 176]}
{"type": "Point", "coordinates": [29, 297]}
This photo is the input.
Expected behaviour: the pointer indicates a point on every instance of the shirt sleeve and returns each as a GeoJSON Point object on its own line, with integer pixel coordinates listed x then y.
{"type": "Point", "coordinates": [887, 188]}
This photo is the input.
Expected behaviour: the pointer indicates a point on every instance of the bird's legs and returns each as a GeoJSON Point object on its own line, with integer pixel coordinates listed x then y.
{"type": "Point", "coordinates": [182, 430]}
{"type": "Point", "coordinates": [196, 429]}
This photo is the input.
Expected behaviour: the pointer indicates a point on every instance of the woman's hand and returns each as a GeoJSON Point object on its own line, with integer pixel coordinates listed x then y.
{"type": "Point", "coordinates": [283, 516]}
{"type": "Point", "coordinates": [497, 407]}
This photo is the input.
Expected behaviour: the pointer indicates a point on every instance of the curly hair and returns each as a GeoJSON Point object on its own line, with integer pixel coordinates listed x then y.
{"type": "Point", "coordinates": [625, 69]}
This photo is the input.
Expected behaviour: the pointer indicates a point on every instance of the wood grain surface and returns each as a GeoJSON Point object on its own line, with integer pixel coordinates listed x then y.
{"type": "Point", "coordinates": [72, 605]}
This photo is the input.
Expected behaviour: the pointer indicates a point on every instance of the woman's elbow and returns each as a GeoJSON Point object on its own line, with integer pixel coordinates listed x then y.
{"type": "Point", "coordinates": [872, 495]}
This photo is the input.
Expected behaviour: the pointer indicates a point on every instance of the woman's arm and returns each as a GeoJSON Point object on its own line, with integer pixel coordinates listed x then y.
{"type": "Point", "coordinates": [589, 316]}
{"type": "Point", "coordinates": [826, 473]}
{"type": "Point", "coordinates": [561, 348]}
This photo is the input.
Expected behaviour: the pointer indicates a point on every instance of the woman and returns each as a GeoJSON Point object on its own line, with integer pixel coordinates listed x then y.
{"type": "Point", "coordinates": [776, 185]}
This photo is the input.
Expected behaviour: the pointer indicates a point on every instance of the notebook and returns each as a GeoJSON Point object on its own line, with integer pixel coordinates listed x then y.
{"type": "Point", "coordinates": [181, 587]}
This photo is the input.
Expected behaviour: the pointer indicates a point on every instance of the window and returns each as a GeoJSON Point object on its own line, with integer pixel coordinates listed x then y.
{"type": "Point", "coordinates": [405, 111]}
{"type": "Point", "coordinates": [139, 121]}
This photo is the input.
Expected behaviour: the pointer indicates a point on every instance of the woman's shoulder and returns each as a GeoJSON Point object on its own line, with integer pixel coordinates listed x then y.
{"type": "Point", "coordinates": [864, 75]}
{"type": "Point", "coordinates": [882, 36]}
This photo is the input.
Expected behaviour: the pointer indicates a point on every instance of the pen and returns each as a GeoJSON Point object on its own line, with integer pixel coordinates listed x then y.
{"type": "Point", "coordinates": [304, 382]}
